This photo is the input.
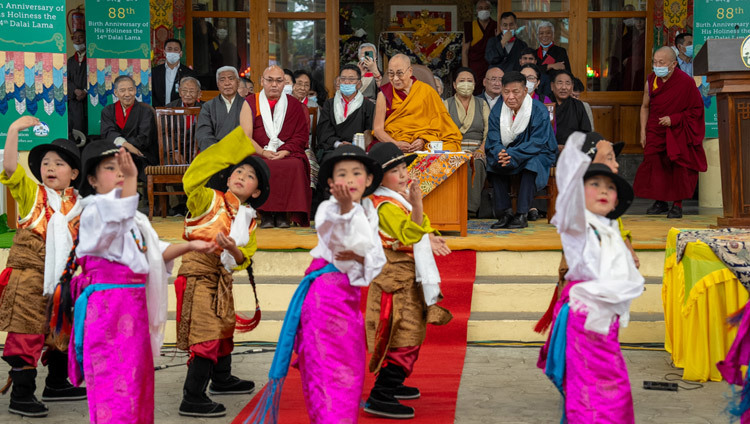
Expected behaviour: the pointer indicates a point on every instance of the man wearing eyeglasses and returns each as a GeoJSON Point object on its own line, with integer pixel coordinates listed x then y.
{"type": "Point", "coordinates": [220, 115]}
{"type": "Point", "coordinates": [493, 86]}
{"type": "Point", "coordinates": [410, 113]}
{"type": "Point", "coordinates": [281, 125]}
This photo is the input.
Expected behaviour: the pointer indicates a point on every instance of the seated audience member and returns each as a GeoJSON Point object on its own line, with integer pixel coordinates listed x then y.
{"type": "Point", "coordinates": [439, 86]}
{"type": "Point", "coordinates": [220, 115]}
{"type": "Point", "coordinates": [246, 87]}
{"type": "Point", "coordinates": [302, 86]}
{"type": "Point", "coordinates": [410, 113]}
{"type": "Point", "coordinates": [551, 56]}
{"type": "Point", "coordinates": [520, 141]}
{"type": "Point", "coordinates": [280, 124]}
{"type": "Point", "coordinates": [505, 49]}
{"type": "Point", "coordinates": [371, 75]}
{"type": "Point", "coordinates": [471, 115]}
{"type": "Point", "coordinates": [190, 94]}
{"type": "Point", "coordinates": [493, 87]}
{"type": "Point", "coordinates": [318, 92]}
{"type": "Point", "coordinates": [528, 56]}
{"type": "Point", "coordinates": [570, 114]}
{"type": "Point", "coordinates": [579, 88]}
{"type": "Point", "coordinates": [348, 113]}
{"type": "Point", "coordinates": [167, 76]}
{"type": "Point", "coordinates": [78, 75]}
{"type": "Point", "coordinates": [289, 82]}
{"type": "Point", "coordinates": [533, 78]}
{"type": "Point", "coordinates": [131, 124]}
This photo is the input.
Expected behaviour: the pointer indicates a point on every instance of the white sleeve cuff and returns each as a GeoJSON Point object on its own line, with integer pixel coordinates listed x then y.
{"type": "Point", "coordinates": [113, 208]}
{"type": "Point", "coordinates": [119, 141]}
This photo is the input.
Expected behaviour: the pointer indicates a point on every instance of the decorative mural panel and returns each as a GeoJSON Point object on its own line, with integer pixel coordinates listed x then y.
{"type": "Point", "coordinates": [162, 28]}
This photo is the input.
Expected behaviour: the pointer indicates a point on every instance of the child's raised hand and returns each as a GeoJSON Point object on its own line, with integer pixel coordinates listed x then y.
{"type": "Point", "coordinates": [414, 197]}
{"type": "Point", "coordinates": [343, 196]}
{"type": "Point", "coordinates": [225, 242]}
{"type": "Point", "coordinates": [127, 166]}
{"type": "Point", "coordinates": [439, 246]}
{"type": "Point", "coordinates": [26, 121]}
{"type": "Point", "coordinates": [202, 246]}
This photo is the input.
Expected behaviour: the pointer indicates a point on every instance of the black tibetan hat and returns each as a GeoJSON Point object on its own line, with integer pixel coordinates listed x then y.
{"type": "Point", "coordinates": [624, 190]}
{"type": "Point", "coordinates": [351, 152]}
{"type": "Point", "coordinates": [93, 153]}
{"type": "Point", "coordinates": [589, 145]}
{"type": "Point", "coordinates": [63, 147]}
{"type": "Point", "coordinates": [388, 155]}
{"type": "Point", "coordinates": [219, 179]}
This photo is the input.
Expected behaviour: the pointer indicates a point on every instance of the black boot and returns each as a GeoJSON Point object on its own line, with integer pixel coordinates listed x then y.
{"type": "Point", "coordinates": [224, 383]}
{"type": "Point", "coordinates": [658, 208]}
{"type": "Point", "coordinates": [518, 221]}
{"type": "Point", "coordinates": [503, 220]}
{"type": "Point", "coordinates": [57, 387]}
{"type": "Point", "coordinates": [195, 403]}
{"type": "Point", "coordinates": [382, 401]}
{"type": "Point", "coordinates": [22, 399]}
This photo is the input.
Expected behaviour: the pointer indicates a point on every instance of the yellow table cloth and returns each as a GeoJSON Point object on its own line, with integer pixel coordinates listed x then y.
{"type": "Point", "coordinates": [698, 293]}
{"type": "Point", "coordinates": [431, 169]}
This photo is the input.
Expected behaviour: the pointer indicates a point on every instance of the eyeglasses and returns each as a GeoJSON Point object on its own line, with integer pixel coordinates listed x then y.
{"type": "Point", "coordinates": [495, 80]}
{"type": "Point", "coordinates": [398, 74]}
{"type": "Point", "coordinates": [271, 81]}
{"type": "Point", "coordinates": [532, 79]}
{"type": "Point", "coordinates": [352, 80]}
{"type": "Point", "coordinates": [189, 92]}
{"type": "Point", "coordinates": [305, 85]}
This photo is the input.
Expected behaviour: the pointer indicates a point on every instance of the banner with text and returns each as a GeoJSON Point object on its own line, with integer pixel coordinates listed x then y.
{"type": "Point", "coordinates": [118, 43]}
{"type": "Point", "coordinates": [33, 71]}
{"type": "Point", "coordinates": [717, 19]}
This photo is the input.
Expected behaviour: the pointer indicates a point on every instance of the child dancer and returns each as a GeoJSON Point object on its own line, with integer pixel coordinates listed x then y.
{"type": "Point", "coordinates": [582, 355]}
{"type": "Point", "coordinates": [218, 183]}
{"type": "Point", "coordinates": [398, 309]}
{"type": "Point", "coordinates": [47, 224]}
{"type": "Point", "coordinates": [121, 294]}
{"type": "Point", "coordinates": [324, 314]}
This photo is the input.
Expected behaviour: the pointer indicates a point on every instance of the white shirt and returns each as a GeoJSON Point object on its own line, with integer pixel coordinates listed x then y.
{"type": "Point", "coordinates": [107, 228]}
{"type": "Point", "coordinates": [227, 103]}
{"type": "Point", "coordinates": [357, 231]}
{"type": "Point", "coordinates": [490, 101]}
{"type": "Point", "coordinates": [169, 77]}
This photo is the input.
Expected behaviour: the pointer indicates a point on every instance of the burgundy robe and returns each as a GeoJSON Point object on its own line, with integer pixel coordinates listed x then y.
{"type": "Point", "coordinates": [290, 177]}
{"type": "Point", "coordinates": [477, 62]}
{"type": "Point", "coordinates": [673, 155]}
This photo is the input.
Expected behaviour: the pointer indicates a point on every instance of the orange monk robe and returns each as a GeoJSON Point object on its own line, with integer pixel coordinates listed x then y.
{"type": "Point", "coordinates": [420, 114]}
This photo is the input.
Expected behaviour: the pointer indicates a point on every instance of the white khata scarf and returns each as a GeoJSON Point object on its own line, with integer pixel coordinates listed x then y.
{"type": "Point", "coordinates": [424, 261]}
{"type": "Point", "coordinates": [510, 128]}
{"type": "Point", "coordinates": [239, 233]}
{"type": "Point", "coordinates": [273, 123]}
{"type": "Point", "coordinates": [59, 241]}
{"type": "Point", "coordinates": [338, 106]}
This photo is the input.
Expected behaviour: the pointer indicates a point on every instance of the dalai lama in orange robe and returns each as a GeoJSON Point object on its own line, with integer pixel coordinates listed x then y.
{"type": "Point", "coordinates": [410, 113]}
{"type": "Point", "coordinates": [281, 125]}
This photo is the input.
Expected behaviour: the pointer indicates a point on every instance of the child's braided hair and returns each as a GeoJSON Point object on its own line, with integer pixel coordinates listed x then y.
{"type": "Point", "coordinates": [61, 306]}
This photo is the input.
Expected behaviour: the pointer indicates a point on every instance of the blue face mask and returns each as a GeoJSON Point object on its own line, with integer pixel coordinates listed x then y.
{"type": "Point", "coordinates": [348, 89]}
{"type": "Point", "coordinates": [546, 46]}
{"type": "Point", "coordinates": [661, 71]}
{"type": "Point", "coordinates": [312, 99]}
{"type": "Point", "coordinates": [689, 51]}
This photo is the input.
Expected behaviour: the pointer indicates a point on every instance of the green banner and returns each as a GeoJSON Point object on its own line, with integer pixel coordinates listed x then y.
{"type": "Point", "coordinates": [717, 19]}
{"type": "Point", "coordinates": [118, 28]}
{"type": "Point", "coordinates": [33, 75]}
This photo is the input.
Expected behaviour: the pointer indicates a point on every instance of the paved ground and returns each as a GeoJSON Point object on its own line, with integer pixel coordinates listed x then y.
{"type": "Point", "coordinates": [499, 385]}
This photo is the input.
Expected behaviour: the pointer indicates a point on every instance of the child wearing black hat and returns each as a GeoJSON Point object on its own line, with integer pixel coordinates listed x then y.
{"type": "Point", "coordinates": [323, 322]}
{"type": "Point", "coordinates": [224, 184]}
{"type": "Point", "coordinates": [409, 284]}
{"type": "Point", "coordinates": [48, 216]}
{"type": "Point", "coordinates": [582, 355]}
{"type": "Point", "coordinates": [120, 296]}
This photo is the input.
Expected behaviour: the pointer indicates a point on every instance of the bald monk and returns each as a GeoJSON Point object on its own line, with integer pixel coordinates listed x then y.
{"type": "Point", "coordinates": [281, 125]}
{"type": "Point", "coordinates": [672, 131]}
{"type": "Point", "coordinates": [410, 113]}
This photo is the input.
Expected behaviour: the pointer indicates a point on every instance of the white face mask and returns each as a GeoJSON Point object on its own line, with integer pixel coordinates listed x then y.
{"type": "Point", "coordinates": [288, 89]}
{"type": "Point", "coordinates": [483, 15]}
{"type": "Point", "coordinates": [172, 57]}
{"type": "Point", "coordinates": [530, 86]}
{"type": "Point", "coordinates": [222, 33]}
{"type": "Point", "coordinates": [79, 47]}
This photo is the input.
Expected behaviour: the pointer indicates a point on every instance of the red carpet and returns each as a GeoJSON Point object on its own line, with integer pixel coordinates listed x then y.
{"type": "Point", "coordinates": [441, 360]}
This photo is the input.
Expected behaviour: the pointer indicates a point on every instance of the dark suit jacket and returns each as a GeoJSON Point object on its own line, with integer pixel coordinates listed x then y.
{"type": "Point", "coordinates": [159, 79]}
{"type": "Point", "coordinates": [140, 129]}
{"type": "Point", "coordinates": [329, 132]}
{"type": "Point", "coordinates": [559, 54]}
{"type": "Point", "coordinates": [496, 55]}
{"type": "Point", "coordinates": [77, 79]}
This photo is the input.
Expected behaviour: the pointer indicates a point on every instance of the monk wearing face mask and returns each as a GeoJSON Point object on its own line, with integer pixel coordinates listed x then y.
{"type": "Point", "coordinates": [476, 35]}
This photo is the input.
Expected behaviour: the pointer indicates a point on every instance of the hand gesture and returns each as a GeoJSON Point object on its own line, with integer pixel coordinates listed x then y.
{"type": "Point", "coordinates": [348, 255]}
{"type": "Point", "coordinates": [506, 38]}
{"type": "Point", "coordinates": [558, 66]}
{"type": "Point", "coordinates": [665, 121]}
{"type": "Point", "coordinates": [26, 121]}
{"type": "Point", "coordinates": [404, 146]}
{"type": "Point", "coordinates": [368, 64]}
{"type": "Point", "coordinates": [439, 246]}
{"type": "Point", "coordinates": [417, 145]}
{"type": "Point", "coordinates": [343, 196]}
{"type": "Point", "coordinates": [503, 158]}
{"type": "Point", "coordinates": [202, 246]}
{"type": "Point", "coordinates": [127, 166]}
{"type": "Point", "coordinates": [225, 242]}
{"type": "Point", "coordinates": [414, 195]}
{"type": "Point", "coordinates": [132, 149]}
{"type": "Point", "coordinates": [478, 154]}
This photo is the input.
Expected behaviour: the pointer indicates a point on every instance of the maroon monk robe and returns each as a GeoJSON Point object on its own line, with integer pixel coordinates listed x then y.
{"type": "Point", "coordinates": [290, 177]}
{"type": "Point", "coordinates": [477, 62]}
{"type": "Point", "coordinates": [673, 155]}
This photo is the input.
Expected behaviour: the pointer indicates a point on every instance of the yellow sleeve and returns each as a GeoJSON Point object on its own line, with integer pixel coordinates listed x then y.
{"type": "Point", "coordinates": [230, 150]}
{"type": "Point", "coordinates": [248, 251]}
{"type": "Point", "coordinates": [394, 222]}
{"type": "Point", "coordinates": [22, 188]}
{"type": "Point", "coordinates": [626, 235]}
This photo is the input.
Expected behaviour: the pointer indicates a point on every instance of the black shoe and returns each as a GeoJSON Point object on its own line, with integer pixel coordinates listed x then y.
{"type": "Point", "coordinates": [266, 221]}
{"type": "Point", "coordinates": [533, 215]}
{"type": "Point", "coordinates": [675, 212]}
{"type": "Point", "coordinates": [281, 221]}
{"type": "Point", "coordinates": [519, 221]}
{"type": "Point", "coordinates": [22, 399]}
{"type": "Point", "coordinates": [406, 392]}
{"type": "Point", "coordinates": [195, 403]}
{"type": "Point", "coordinates": [68, 392]}
{"type": "Point", "coordinates": [657, 208]}
{"type": "Point", "coordinates": [384, 405]}
{"type": "Point", "coordinates": [503, 220]}
{"type": "Point", "coordinates": [57, 387]}
{"type": "Point", "coordinates": [224, 383]}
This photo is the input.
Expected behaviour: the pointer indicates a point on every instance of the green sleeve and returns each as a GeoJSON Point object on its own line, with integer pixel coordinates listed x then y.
{"type": "Point", "coordinates": [230, 150]}
{"type": "Point", "coordinates": [22, 188]}
{"type": "Point", "coordinates": [397, 224]}
{"type": "Point", "coordinates": [248, 251]}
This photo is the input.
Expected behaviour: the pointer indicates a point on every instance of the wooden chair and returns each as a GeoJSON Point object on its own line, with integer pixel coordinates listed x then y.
{"type": "Point", "coordinates": [313, 127]}
{"type": "Point", "coordinates": [177, 148]}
